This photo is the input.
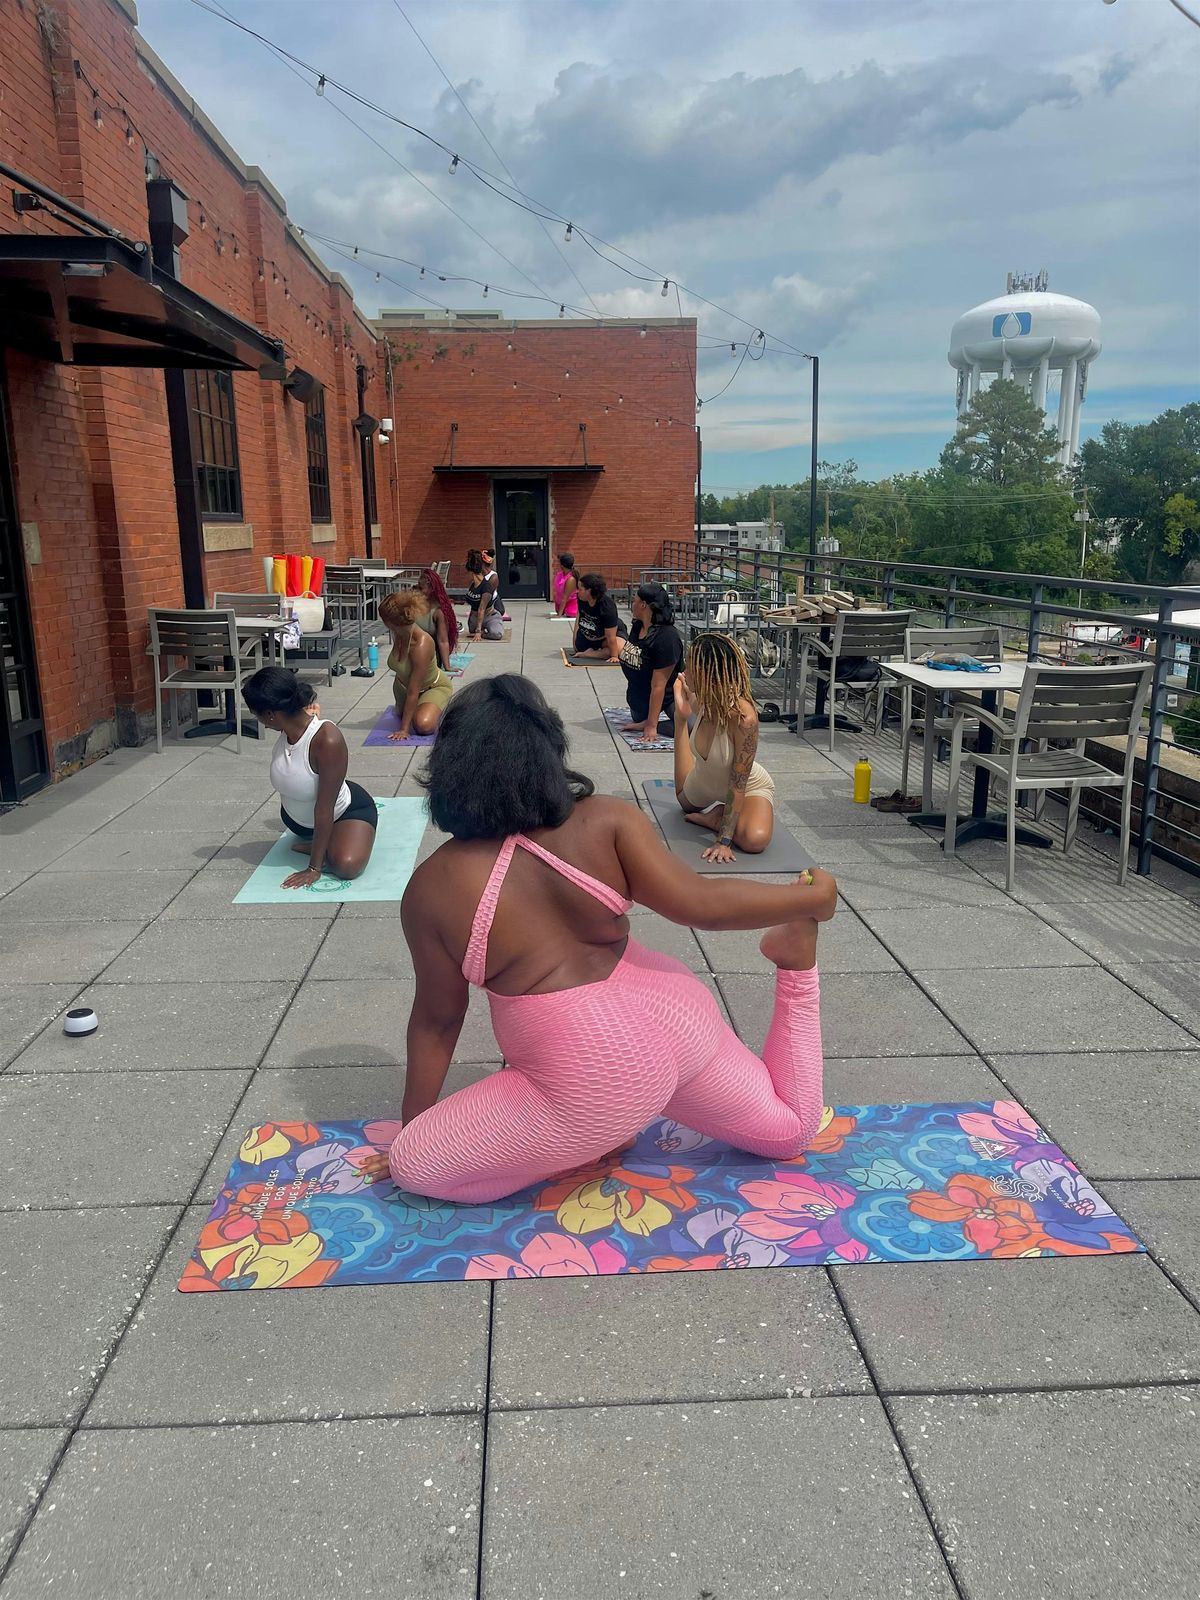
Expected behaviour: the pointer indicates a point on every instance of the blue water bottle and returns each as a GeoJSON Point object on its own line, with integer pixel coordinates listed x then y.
{"type": "Point", "coordinates": [373, 656]}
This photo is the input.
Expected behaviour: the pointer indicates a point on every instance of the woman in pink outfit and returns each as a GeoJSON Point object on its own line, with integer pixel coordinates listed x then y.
{"type": "Point", "coordinates": [529, 901]}
{"type": "Point", "coordinates": [566, 587]}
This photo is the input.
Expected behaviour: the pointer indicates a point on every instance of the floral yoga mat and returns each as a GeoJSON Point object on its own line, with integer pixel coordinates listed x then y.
{"type": "Point", "coordinates": [309, 1204]}
{"type": "Point", "coordinates": [616, 715]}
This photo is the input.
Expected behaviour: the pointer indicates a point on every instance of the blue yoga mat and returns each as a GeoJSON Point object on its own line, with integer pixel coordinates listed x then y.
{"type": "Point", "coordinates": [310, 1204]}
{"type": "Point", "coordinates": [401, 824]}
{"type": "Point", "coordinates": [462, 658]}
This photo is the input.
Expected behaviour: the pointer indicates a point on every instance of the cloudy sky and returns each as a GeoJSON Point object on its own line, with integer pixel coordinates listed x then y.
{"type": "Point", "coordinates": [847, 174]}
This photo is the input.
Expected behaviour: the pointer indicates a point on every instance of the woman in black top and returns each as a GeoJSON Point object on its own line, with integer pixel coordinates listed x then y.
{"type": "Point", "coordinates": [599, 631]}
{"type": "Point", "coordinates": [651, 660]}
{"type": "Point", "coordinates": [483, 598]}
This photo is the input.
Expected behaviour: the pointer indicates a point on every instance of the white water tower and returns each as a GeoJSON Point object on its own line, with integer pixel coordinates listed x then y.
{"type": "Point", "coordinates": [1026, 334]}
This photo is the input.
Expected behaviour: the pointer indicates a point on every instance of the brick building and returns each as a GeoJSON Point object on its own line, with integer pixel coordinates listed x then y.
{"type": "Point", "coordinates": [540, 437]}
{"type": "Point", "coordinates": [180, 376]}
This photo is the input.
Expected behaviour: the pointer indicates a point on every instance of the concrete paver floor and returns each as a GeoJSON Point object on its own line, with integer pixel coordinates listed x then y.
{"type": "Point", "coordinates": [982, 1429]}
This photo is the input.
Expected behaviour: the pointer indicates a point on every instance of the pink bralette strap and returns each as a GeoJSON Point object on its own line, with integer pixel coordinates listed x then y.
{"type": "Point", "coordinates": [474, 967]}
{"type": "Point", "coordinates": [607, 896]}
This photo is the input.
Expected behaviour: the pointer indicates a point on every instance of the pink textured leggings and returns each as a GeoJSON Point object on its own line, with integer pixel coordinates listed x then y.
{"type": "Point", "coordinates": [590, 1067]}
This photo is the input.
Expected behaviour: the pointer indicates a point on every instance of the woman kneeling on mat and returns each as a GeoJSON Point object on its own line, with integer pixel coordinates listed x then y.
{"type": "Point", "coordinates": [651, 659]}
{"type": "Point", "coordinates": [421, 689]}
{"type": "Point", "coordinates": [717, 780]}
{"type": "Point", "coordinates": [528, 900]}
{"type": "Point", "coordinates": [334, 821]}
{"type": "Point", "coordinates": [485, 609]}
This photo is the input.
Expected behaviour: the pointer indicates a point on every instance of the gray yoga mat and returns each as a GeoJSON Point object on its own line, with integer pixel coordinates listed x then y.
{"type": "Point", "coordinates": [783, 854]}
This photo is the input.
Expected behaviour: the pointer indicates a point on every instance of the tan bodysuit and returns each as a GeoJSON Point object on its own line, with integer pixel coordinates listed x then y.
{"type": "Point", "coordinates": [707, 784]}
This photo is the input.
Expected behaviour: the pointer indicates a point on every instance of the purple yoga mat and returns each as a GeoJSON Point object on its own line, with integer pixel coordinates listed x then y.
{"type": "Point", "coordinates": [389, 723]}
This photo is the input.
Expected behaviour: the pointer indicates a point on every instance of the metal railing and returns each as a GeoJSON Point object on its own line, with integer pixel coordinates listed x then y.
{"type": "Point", "coordinates": [1042, 617]}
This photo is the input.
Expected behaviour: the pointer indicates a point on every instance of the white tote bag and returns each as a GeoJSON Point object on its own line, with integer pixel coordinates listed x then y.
{"type": "Point", "coordinates": [309, 611]}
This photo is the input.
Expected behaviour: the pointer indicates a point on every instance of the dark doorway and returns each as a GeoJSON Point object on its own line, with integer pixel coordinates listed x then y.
{"type": "Point", "coordinates": [23, 764]}
{"type": "Point", "coordinates": [521, 556]}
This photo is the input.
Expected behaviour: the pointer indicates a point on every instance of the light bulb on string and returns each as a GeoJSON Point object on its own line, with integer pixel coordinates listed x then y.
{"type": "Point", "coordinates": [642, 331]}
{"type": "Point", "coordinates": [567, 374]}
{"type": "Point", "coordinates": [454, 165]}
{"type": "Point", "coordinates": [129, 133]}
{"type": "Point", "coordinates": [620, 399]}
{"type": "Point", "coordinates": [485, 290]}
{"type": "Point", "coordinates": [733, 349]}
{"type": "Point", "coordinates": [237, 254]}
{"type": "Point", "coordinates": [665, 287]}
{"type": "Point", "coordinates": [562, 310]}
{"type": "Point", "coordinates": [321, 85]}
{"type": "Point", "coordinates": [570, 233]}
{"type": "Point", "coordinates": [656, 422]}
{"type": "Point", "coordinates": [97, 114]}
{"type": "Point", "coordinates": [421, 274]}
{"type": "Point", "coordinates": [356, 252]}
{"type": "Point", "coordinates": [510, 344]}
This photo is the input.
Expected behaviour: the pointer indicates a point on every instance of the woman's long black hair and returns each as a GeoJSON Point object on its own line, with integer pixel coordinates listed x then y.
{"type": "Point", "coordinates": [659, 601]}
{"type": "Point", "coordinates": [500, 763]}
{"type": "Point", "coordinates": [277, 689]}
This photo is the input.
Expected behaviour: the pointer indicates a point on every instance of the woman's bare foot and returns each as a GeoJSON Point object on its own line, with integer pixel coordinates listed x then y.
{"type": "Point", "coordinates": [791, 945]}
{"type": "Point", "coordinates": [705, 819]}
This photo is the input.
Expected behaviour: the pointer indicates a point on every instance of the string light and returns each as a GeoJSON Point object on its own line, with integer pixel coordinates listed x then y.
{"type": "Point", "coordinates": [454, 166]}
{"type": "Point", "coordinates": [642, 331]}
{"type": "Point", "coordinates": [97, 114]}
{"type": "Point", "coordinates": [129, 133]}
{"type": "Point", "coordinates": [562, 310]}
{"type": "Point", "coordinates": [569, 235]}
{"type": "Point", "coordinates": [485, 290]}
{"type": "Point", "coordinates": [665, 287]}
{"type": "Point", "coordinates": [321, 86]}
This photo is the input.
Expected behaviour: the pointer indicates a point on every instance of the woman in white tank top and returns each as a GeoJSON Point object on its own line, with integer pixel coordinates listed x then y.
{"type": "Point", "coordinates": [334, 821]}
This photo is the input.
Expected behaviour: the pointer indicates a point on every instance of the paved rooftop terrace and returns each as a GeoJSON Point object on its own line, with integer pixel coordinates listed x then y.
{"type": "Point", "coordinates": [1021, 1429]}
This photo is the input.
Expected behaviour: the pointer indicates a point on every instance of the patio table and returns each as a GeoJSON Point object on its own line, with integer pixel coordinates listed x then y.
{"type": "Point", "coordinates": [981, 823]}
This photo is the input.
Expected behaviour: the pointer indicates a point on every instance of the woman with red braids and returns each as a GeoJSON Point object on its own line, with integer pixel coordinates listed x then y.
{"type": "Point", "coordinates": [439, 622]}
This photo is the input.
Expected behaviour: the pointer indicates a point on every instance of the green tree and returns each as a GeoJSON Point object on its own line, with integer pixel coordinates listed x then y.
{"type": "Point", "coordinates": [1181, 524]}
{"type": "Point", "coordinates": [1132, 473]}
{"type": "Point", "coordinates": [1002, 439]}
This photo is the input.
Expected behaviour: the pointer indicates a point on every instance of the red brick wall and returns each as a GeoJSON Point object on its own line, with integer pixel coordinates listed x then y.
{"type": "Point", "coordinates": [92, 454]}
{"type": "Point", "coordinates": [466, 375]}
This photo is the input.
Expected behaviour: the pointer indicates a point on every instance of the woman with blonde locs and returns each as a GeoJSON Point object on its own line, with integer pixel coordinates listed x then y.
{"type": "Point", "coordinates": [718, 782]}
{"type": "Point", "coordinates": [421, 689]}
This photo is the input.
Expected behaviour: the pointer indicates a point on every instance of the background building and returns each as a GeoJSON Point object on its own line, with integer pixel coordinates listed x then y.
{"type": "Point", "coordinates": [186, 388]}
{"type": "Point", "coordinates": [541, 437]}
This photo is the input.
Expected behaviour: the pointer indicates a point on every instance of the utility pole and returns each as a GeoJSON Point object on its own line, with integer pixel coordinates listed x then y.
{"type": "Point", "coordinates": [1082, 518]}
{"type": "Point", "coordinates": [827, 513]}
{"type": "Point", "coordinates": [812, 479]}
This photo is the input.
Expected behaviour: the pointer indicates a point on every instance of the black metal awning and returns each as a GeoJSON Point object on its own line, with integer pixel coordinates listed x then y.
{"type": "Point", "coordinates": [506, 470]}
{"type": "Point", "coordinates": [100, 302]}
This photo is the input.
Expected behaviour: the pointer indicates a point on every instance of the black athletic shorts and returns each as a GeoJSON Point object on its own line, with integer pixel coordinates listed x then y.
{"type": "Point", "coordinates": [361, 809]}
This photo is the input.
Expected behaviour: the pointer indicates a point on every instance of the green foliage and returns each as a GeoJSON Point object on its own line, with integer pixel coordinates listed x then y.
{"type": "Point", "coordinates": [998, 499]}
{"type": "Point", "coordinates": [1002, 439]}
{"type": "Point", "coordinates": [1186, 724]}
{"type": "Point", "coordinates": [1133, 474]}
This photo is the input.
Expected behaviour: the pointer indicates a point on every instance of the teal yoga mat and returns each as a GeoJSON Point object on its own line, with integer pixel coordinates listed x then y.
{"type": "Point", "coordinates": [401, 824]}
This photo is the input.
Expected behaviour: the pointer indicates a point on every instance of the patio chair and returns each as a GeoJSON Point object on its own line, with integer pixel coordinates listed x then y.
{"type": "Point", "coordinates": [207, 644]}
{"type": "Point", "coordinates": [346, 602]}
{"type": "Point", "coordinates": [857, 635]}
{"type": "Point", "coordinates": [442, 568]}
{"type": "Point", "coordinates": [367, 563]}
{"type": "Point", "coordinates": [936, 722]}
{"type": "Point", "coordinates": [1063, 704]}
{"type": "Point", "coordinates": [255, 605]}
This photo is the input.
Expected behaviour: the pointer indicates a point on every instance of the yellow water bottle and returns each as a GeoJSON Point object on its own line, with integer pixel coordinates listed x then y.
{"type": "Point", "coordinates": [862, 781]}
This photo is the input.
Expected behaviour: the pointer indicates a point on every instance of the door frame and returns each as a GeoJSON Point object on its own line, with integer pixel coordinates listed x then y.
{"type": "Point", "coordinates": [31, 729]}
{"type": "Point", "coordinates": [540, 488]}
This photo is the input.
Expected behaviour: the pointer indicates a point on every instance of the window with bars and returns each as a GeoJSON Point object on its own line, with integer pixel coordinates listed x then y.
{"type": "Point", "coordinates": [319, 504]}
{"type": "Point", "coordinates": [215, 447]}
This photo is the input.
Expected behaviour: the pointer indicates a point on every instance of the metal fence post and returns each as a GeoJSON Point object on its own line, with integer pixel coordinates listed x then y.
{"type": "Point", "coordinates": [1154, 738]}
{"type": "Point", "coordinates": [889, 588]}
{"type": "Point", "coordinates": [951, 599]}
{"type": "Point", "coordinates": [1035, 623]}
